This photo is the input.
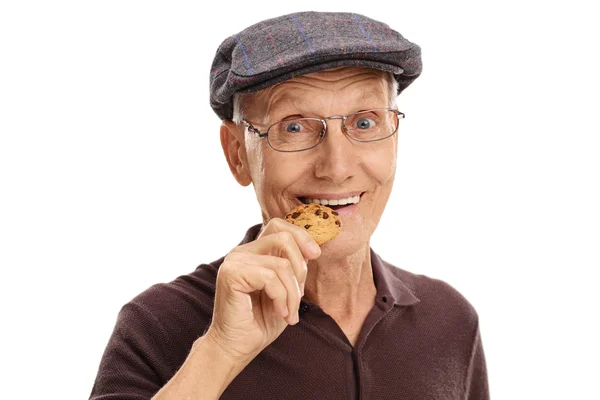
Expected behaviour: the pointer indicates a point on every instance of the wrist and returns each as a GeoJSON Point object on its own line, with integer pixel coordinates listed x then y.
{"type": "Point", "coordinates": [205, 374]}
{"type": "Point", "coordinates": [220, 348]}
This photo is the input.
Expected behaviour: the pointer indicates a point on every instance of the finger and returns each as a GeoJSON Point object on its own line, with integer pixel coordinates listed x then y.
{"type": "Point", "coordinates": [308, 246]}
{"type": "Point", "coordinates": [285, 273]}
{"type": "Point", "coordinates": [259, 271]}
{"type": "Point", "coordinates": [250, 277]}
{"type": "Point", "coordinates": [282, 244]}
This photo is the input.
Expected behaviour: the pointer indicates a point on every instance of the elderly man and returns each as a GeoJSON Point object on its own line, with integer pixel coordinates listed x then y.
{"type": "Point", "coordinates": [309, 116]}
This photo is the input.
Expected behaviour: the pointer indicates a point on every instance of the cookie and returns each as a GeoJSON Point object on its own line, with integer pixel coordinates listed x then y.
{"type": "Point", "coordinates": [321, 222]}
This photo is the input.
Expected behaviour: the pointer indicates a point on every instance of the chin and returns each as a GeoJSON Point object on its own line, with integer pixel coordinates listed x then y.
{"type": "Point", "coordinates": [345, 244]}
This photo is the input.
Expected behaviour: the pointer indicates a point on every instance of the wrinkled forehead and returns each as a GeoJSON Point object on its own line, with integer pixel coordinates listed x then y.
{"type": "Point", "coordinates": [359, 87]}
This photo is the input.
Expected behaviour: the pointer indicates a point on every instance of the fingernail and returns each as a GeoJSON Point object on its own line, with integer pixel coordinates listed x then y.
{"type": "Point", "coordinates": [302, 289]}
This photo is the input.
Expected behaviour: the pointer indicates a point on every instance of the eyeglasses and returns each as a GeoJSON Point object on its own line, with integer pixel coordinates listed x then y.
{"type": "Point", "coordinates": [301, 134]}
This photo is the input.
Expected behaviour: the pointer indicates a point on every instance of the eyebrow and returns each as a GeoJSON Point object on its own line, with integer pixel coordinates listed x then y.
{"type": "Point", "coordinates": [373, 94]}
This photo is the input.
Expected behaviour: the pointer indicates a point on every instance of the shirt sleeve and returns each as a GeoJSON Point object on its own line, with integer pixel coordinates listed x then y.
{"type": "Point", "coordinates": [133, 365]}
{"type": "Point", "coordinates": [477, 380]}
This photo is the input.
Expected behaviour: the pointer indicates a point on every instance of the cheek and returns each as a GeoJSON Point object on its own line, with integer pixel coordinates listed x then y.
{"type": "Point", "coordinates": [273, 172]}
{"type": "Point", "coordinates": [382, 165]}
{"type": "Point", "coordinates": [283, 172]}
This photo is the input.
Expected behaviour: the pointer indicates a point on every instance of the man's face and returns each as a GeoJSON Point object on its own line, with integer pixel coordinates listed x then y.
{"type": "Point", "coordinates": [337, 168]}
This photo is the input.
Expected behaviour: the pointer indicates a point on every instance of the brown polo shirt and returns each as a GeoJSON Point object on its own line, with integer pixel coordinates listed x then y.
{"type": "Point", "coordinates": [420, 341]}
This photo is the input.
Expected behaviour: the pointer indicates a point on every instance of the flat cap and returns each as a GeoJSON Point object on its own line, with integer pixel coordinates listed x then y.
{"type": "Point", "coordinates": [278, 49]}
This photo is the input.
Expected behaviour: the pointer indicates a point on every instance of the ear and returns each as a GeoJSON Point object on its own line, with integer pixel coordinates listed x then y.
{"type": "Point", "coordinates": [232, 142]}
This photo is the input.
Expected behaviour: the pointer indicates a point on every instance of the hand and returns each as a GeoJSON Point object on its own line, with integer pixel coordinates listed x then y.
{"type": "Point", "coordinates": [258, 290]}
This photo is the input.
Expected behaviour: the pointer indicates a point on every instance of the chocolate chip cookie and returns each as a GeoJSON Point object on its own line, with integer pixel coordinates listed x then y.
{"type": "Point", "coordinates": [321, 222]}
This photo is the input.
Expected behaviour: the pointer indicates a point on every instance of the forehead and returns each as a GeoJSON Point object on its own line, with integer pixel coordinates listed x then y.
{"type": "Point", "coordinates": [350, 86]}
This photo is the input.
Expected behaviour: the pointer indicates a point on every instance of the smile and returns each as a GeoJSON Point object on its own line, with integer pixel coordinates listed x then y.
{"type": "Point", "coordinates": [331, 202]}
{"type": "Point", "coordinates": [344, 203]}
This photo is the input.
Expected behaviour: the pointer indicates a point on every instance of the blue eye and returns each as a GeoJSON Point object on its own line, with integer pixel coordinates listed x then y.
{"type": "Point", "coordinates": [365, 123]}
{"type": "Point", "coordinates": [294, 127]}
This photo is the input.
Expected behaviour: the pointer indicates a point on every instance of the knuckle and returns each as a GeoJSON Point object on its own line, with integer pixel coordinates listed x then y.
{"type": "Point", "coordinates": [285, 237]}
{"type": "Point", "coordinates": [225, 267]}
{"type": "Point", "coordinates": [229, 263]}
{"type": "Point", "coordinates": [231, 266]}
{"type": "Point", "coordinates": [273, 226]}
{"type": "Point", "coordinates": [276, 222]}
{"type": "Point", "coordinates": [269, 275]}
{"type": "Point", "coordinates": [234, 255]}
{"type": "Point", "coordinates": [226, 273]}
{"type": "Point", "coordinates": [283, 264]}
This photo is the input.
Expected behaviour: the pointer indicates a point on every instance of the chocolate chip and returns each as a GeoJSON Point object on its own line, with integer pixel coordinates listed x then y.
{"type": "Point", "coordinates": [338, 223]}
{"type": "Point", "coordinates": [307, 226]}
{"type": "Point", "coordinates": [295, 215]}
{"type": "Point", "coordinates": [334, 213]}
{"type": "Point", "coordinates": [318, 212]}
{"type": "Point", "coordinates": [325, 215]}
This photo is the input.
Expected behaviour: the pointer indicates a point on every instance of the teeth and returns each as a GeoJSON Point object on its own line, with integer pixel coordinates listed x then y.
{"type": "Point", "coordinates": [336, 202]}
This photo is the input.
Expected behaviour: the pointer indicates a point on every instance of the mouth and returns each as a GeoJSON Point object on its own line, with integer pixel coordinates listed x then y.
{"type": "Point", "coordinates": [343, 204]}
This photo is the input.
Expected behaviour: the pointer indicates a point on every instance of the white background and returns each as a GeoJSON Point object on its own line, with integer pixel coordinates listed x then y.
{"type": "Point", "coordinates": [111, 169]}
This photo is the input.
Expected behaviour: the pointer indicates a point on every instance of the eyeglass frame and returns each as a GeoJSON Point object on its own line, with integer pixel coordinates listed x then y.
{"type": "Point", "coordinates": [400, 115]}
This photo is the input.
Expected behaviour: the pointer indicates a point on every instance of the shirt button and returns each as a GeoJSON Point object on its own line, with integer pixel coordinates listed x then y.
{"type": "Point", "coordinates": [303, 308]}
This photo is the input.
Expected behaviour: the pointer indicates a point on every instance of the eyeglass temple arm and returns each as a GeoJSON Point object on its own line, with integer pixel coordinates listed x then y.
{"type": "Point", "coordinates": [254, 130]}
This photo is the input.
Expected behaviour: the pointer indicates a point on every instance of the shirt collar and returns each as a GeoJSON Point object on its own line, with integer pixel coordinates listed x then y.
{"type": "Point", "coordinates": [251, 234]}
{"type": "Point", "coordinates": [389, 284]}
{"type": "Point", "coordinates": [386, 276]}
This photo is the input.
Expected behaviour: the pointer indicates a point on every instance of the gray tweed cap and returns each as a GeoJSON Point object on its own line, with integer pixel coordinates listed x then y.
{"type": "Point", "coordinates": [278, 49]}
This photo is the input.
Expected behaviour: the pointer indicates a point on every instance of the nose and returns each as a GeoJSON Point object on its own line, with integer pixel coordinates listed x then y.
{"type": "Point", "coordinates": [336, 158]}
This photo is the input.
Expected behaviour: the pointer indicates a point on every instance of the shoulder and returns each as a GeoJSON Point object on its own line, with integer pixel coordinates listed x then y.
{"type": "Point", "coordinates": [437, 298]}
{"type": "Point", "coordinates": [196, 289]}
{"type": "Point", "coordinates": [183, 307]}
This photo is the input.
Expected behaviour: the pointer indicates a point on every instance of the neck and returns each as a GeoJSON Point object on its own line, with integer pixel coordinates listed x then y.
{"type": "Point", "coordinates": [344, 286]}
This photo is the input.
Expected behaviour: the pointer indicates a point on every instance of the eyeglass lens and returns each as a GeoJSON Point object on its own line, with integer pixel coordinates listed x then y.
{"type": "Point", "coordinates": [304, 133]}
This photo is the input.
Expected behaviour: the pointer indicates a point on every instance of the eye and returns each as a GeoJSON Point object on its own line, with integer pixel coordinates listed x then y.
{"type": "Point", "coordinates": [293, 127]}
{"type": "Point", "coordinates": [365, 123]}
